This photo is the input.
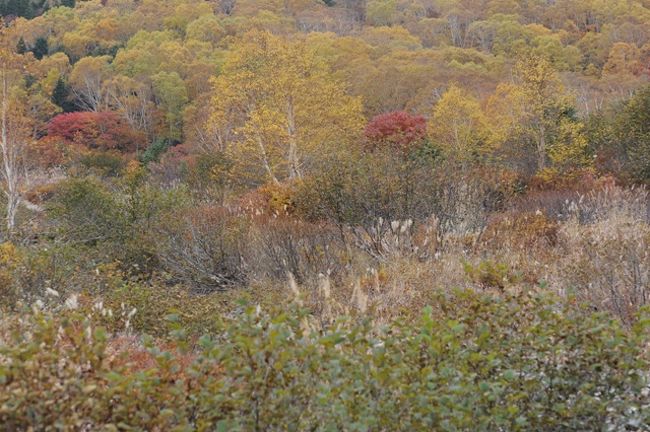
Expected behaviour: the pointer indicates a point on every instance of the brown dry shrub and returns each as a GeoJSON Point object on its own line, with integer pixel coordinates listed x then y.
{"type": "Point", "coordinates": [520, 230]}
{"type": "Point", "coordinates": [278, 198]}
{"type": "Point", "coordinates": [202, 248]}
{"type": "Point", "coordinates": [41, 193]}
{"type": "Point", "coordinates": [552, 199]}
{"type": "Point", "coordinates": [606, 264]}
{"type": "Point", "coordinates": [50, 151]}
{"type": "Point", "coordinates": [605, 251]}
{"type": "Point", "coordinates": [278, 245]}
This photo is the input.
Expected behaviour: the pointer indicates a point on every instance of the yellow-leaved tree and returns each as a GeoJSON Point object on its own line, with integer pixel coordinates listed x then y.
{"type": "Point", "coordinates": [280, 109]}
{"type": "Point", "coordinates": [537, 110]}
{"type": "Point", "coordinates": [459, 126]}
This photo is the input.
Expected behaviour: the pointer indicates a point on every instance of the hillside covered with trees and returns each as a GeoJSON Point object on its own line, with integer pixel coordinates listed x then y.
{"type": "Point", "coordinates": [323, 215]}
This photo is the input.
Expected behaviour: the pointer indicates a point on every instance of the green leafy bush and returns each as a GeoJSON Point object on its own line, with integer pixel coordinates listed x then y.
{"type": "Point", "coordinates": [490, 274]}
{"type": "Point", "coordinates": [118, 223]}
{"type": "Point", "coordinates": [87, 211]}
{"type": "Point", "coordinates": [471, 362]}
{"type": "Point", "coordinates": [154, 151]}
{"type": "Point", "coordinates": [103, 163]}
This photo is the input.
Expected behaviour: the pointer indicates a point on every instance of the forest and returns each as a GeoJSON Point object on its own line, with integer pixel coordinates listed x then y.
{"type": "Point", "coordinates": [325, 215]}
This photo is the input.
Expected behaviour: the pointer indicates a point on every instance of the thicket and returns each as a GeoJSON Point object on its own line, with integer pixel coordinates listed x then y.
{"type": "Point", "coordinates": [469, 362]}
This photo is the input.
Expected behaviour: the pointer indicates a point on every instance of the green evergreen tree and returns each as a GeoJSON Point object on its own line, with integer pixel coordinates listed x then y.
{"type": "Point", "coordinates": [61, 96]}
{"type": "Point", "coordinates": [41, 48]}
{"type": "Point", "coordinates": [154, 151]}
{"type": "Point", "coordinates": [21, 48]}
{"type": "Point", "coordinates": [21, 8]}
{"type": "Point", "coordinates": [68, 3]}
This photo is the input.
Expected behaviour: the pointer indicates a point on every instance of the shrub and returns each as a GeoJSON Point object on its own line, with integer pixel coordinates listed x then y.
{"type": "Point", "coordinates": [96, 131]}
{"type": "Point", "coordinates": [59, 267]}
{"type": "Point", "coordinates": [490, 274]}
{"type": "Point", "coordinates": [105, 164]}
{"type": "Point", "coordinates": [49, 151]}
{"type": "Point", "coordinates": [398, 130]}
{"type": "Point", "coordinates": [41, 193]}
{"type": "Point", "coordinates": [471, 362]}
{"type": "Point", "coordinates": [154, 152]}
{"type": "Point", "coordinates": [606, 263]}
{"type": "Point", "coordinates": [87, 212]}
{"type": "Point", "coordinates": [202, 247]}
{"type": "Point", "coordinates": [10, 259]}
{"type": "Point", "coordinates": [154, 302]}
{"type": "Point", "coordinates": [279, 245]}
{"type": "Point", "coordinates": [520, 230]}
{"type": "Point", "coordinates": [117, 224]}
{"type": "Point", "coordinates": [357, 192]}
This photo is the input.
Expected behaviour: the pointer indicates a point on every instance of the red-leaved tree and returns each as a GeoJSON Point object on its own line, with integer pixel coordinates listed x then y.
{"type": "Point", "coordinates": [397, 129]}
{"type": "Point", "coordinates": [96, 130]}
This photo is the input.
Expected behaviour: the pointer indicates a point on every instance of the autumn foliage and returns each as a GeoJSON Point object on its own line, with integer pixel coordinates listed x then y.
{"type": "Point", "coordinates": [48, 152]}
{"type": "Point", "coordinates": [437, 209]}
{"type": "Point", "coordinates": [95, 130]}
{"type": "Point", "coordinates": [397, 129]}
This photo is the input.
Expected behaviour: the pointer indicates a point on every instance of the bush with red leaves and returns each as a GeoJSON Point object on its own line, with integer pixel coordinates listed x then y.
{"type": "Point", "coordinates": [397, 129]}
{"type": "Point", "coordinates": [96, 130]}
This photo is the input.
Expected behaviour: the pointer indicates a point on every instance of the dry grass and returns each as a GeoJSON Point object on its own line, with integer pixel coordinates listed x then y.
{"type": "Point", "coordinates": [599, 253]}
